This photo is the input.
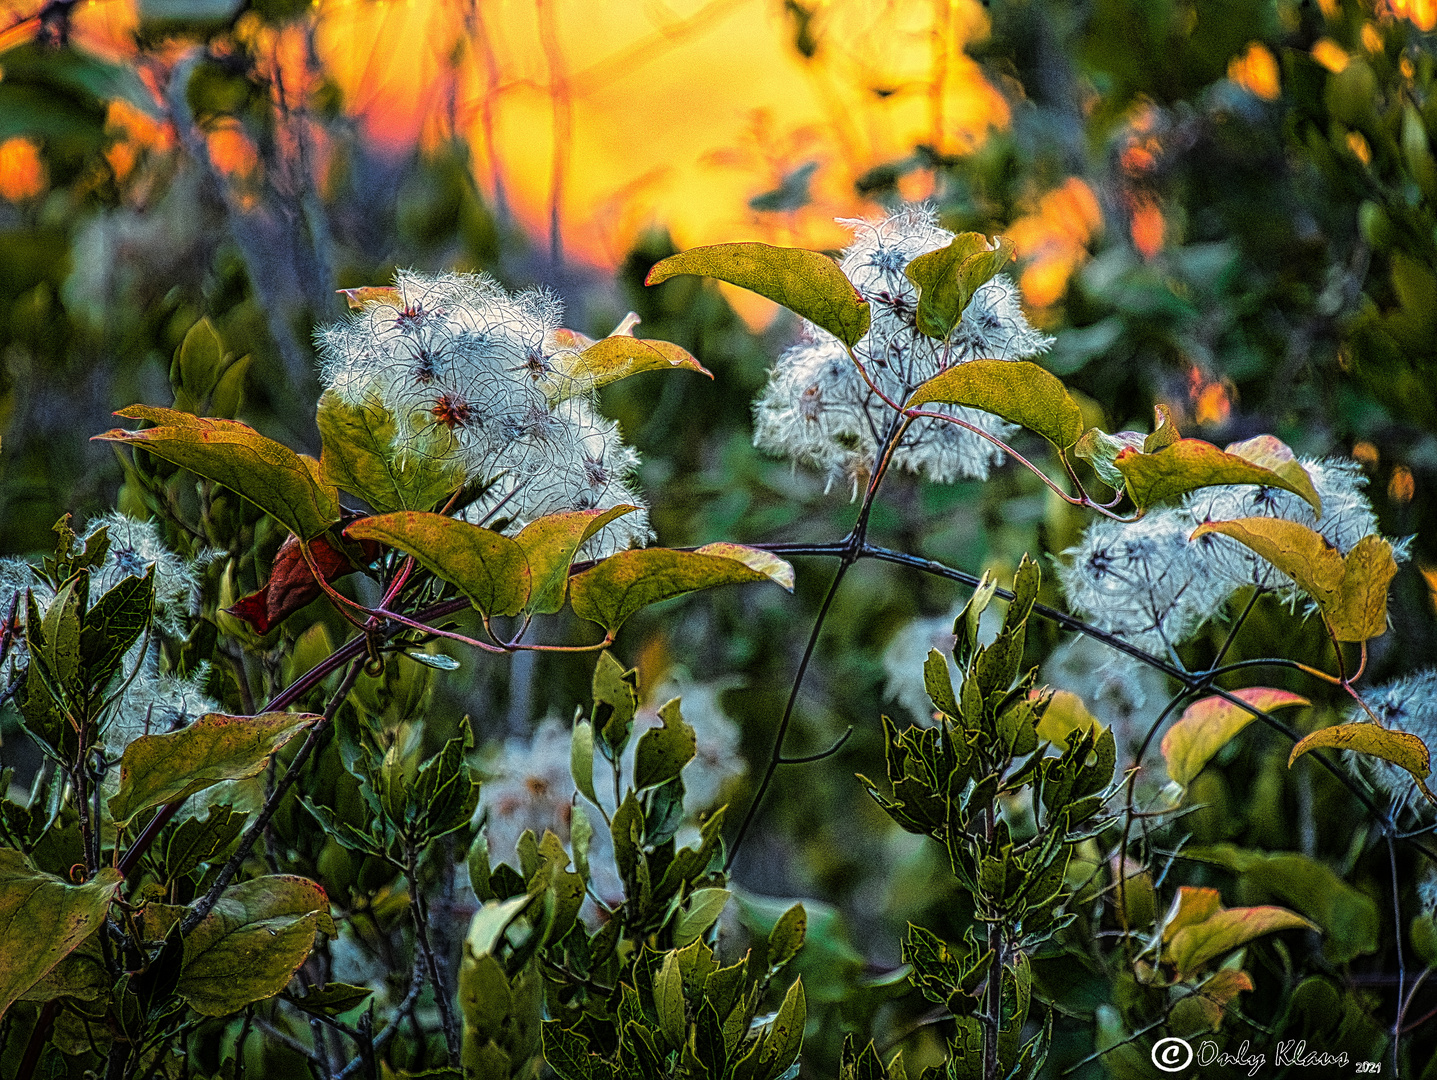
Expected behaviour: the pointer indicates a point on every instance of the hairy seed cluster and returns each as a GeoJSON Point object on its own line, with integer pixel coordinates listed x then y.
{"type": "Point", "coordinates": [467, 371]}
{"type": "Point", "coordinates": [818, 410]}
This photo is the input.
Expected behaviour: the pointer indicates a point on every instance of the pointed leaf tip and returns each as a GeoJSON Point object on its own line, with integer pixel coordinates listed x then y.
{"type": "Point", "coordinates": [808, 283]}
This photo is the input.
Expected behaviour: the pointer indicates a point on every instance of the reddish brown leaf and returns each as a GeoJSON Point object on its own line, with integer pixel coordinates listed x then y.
{"type": "Point", "coordinates": [291, 583]}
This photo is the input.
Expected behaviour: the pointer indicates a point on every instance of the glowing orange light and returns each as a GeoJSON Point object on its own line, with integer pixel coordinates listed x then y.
{"type": "Point", "coordinates": [1358, 145]}
{"type": "Point", "coordinates": [1256, 72]}
{"type": "Point", "coordinates": [1331, 55]}
{"type": "Point", "coordinates": [22, 172]}
{"type": "Point", "coordinates": [1365, 453]}
{"type": "Point", "coordinates": [232, 151]}
{"type": "Point", "coordinates": [1421, 13]}
{"type": "Point", "coordinates": [1402, 486]}
{"type": "Point", "coordinates": [1148, 229]}
{"type": "Point", "coordinates": [1212, 403]}
{"type": "Point", "coordinates": [1054, 239]}
{"type": "Point", "coordinates": [1429, 575]}
{"type": "Point", "coordinates": [1371, 38]}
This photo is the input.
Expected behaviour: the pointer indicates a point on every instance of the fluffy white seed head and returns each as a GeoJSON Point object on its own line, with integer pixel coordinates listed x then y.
{"type": "Point", "coordinates": [464, 367]}
{"type": "Point", "coordinates": [1143, 581]}
{"type": "Point", "coordinates": [819, 411]}
{"type": "Point", "coordinates": [135, 546]}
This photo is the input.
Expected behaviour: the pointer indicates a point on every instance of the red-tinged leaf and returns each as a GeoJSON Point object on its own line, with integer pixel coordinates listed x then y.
{"type": "Point", "coordinates": [1206, 726]}
{"type": "Point", "coordinates": [1171, 472]}
{"type": "Point", "coordinates": [291, 583]}
{"type": "Point", "coordinates": [1194, 946]}
{"type": "Point", "coordinates": [1191, 906]}
{"type": "Point", "coordinates": [808, 283]}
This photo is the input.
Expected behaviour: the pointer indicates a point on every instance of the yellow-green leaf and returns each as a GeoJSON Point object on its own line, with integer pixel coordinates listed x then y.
{"type": "Point", "coordinates": [612, 590]}
{"type": "Point", "coordinates": [361, 458]}
{"type": "Point", "coordinates": [1402, 748]}
{"type": "Point", "coordinates": [763, 562]}
{"type": "Point", "coordinates": [283, 484]}
{"type": "Point", "coordinates": [663, 752]}
{"type": "Point", "coordinates": [490, 569]}
{"type": "Point", "coordinates": [1226, 929]}
{"type": "Point", "coordinates": [1016, 390]}
{"type": "Point", "coordinates": [1165, 431]}
{"type": "Point", "coordinates": [43, 918]}
{"type": "Point", "coordinates": [1188, 464]}
{"type": "Point", "coordinates": [549, 545]}
{"type": "Point", "coordinates": [808, 283]}
{"type": "Point", "coordinates": [1272, 453]}
{"type": "Point", "coordinates": [611, 359]}
{"type": "Point", "coordinates": [1065, 714]}
{"type": "Point", "coordinates": [1351, 591]}
{"type": "Point", "coordinates": [1100, 450]}
{"type": "Point", "coordinates": [1206, 726]}
{"type": "Point", "coordinates": [159, 769]}
{"type": "Point", "coordinates": [947, 278]}
{"type": "Point", "coordinates": [251, 944]}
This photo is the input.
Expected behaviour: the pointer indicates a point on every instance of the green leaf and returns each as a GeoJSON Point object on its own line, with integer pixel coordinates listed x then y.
{"type": "Point", "coordinates": [1402, 748]}
{"type": "Point", "coordinates": [787, 936]}
{"type": "Point", "coordinates": [1165, 433]}
{"type": "Point", "coordinates": [662, 752]}
{"type": "Point", "coordinates": [1188, 464]}
{"type": "Point", "coordinates": [196, 366]}
{"type": "Point", "coordinates": [550, 544]}
{"type": "Point", "coordinates": [948, 278]}
{"type": "Point", "coordinates": [272, 476]}
{"type": "Point", "coordinates": [114, 624]}
{"type": "Point", "coordinates": [626, 828]}
{"type": "Point", "coordinates": [197, 841]}
{"type": "Point", "coordinates": [159, 769]}
{"type": "Point", "coordinates": [611, 591]}
{"type": "Point", "coordinates": [331, 999]}
{"type": "Point", "coordinates": [611, 359]}
{"type": "Point", "coordinates": [251, 944]}
{"type": "Point", "coordinates": [581, 759]}
{"type": "Point", "coordinates": [488, 568]}
{"type": "Point", "coordinates": [445, 793]}
{"type": "Point", "coordinates": [785, 1034]}
{"type": "Point", "coordinates": [806, 282]}
{"type": "Point", "coordinates": [1206, 726]}
{"type": "Point", "coordinates": [1016, 390]}
{"type": "Point", "coordinates": [1226, 929]}
{"type": "Point", "coordinates": [669, 1002]}
{"type": "Point", "coordinates": [1349, 918]}
{"type": "Point", "coordinates": [360, 457]}
{"type": "Point", "coordinates": [1351, 590]}
{"type": "Point", "coordinates": [1100, 450]}
{"type": "Point", "coordinates": [43, 918]}
{"type": "Point", "coordinates": [703, 909]}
